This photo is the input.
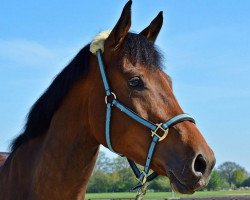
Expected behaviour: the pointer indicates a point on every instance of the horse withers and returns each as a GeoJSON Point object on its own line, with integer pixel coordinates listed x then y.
{"type": "Point", "coordinates": [55, 154]}
{"type": "Point", "coordinates": [3, 157]}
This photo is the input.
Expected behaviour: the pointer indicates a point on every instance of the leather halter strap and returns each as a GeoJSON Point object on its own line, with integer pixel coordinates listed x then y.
{"type": "Point", "coordinates": [143, 176]}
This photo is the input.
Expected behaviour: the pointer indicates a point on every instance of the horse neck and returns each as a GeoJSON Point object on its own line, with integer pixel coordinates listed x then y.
{"type": "Point", "coordinates": [65, 155]}
{"type": "Point", "coordinates": [69, 148]}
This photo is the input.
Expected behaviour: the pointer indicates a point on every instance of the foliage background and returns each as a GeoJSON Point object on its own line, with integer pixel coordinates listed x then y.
{"type": "Point", "coordinates": [115, 175]}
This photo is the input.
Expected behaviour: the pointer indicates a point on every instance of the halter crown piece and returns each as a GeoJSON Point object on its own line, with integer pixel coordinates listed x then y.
{"type": "Point", "coordinates": [97, 47]}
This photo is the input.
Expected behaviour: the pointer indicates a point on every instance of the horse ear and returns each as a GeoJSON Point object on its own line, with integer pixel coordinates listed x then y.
{"type": "Point", "coordinates": [152, 31]}
{"type": "Point", "coordinates": [121, 28]}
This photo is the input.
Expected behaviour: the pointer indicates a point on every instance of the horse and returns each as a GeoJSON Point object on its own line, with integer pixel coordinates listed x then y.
{"type": "Point", "coordinates": [55, 154]}
{"type": "Point", "coordinates": [3, 157]}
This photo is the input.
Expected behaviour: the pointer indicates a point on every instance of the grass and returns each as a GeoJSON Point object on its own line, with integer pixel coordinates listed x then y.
{"type": "Point", "coordinates": [162, 195]}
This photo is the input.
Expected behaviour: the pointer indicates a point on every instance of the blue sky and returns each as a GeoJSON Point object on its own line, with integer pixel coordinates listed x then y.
{"type": "Point", "coordinates": [206, 46]}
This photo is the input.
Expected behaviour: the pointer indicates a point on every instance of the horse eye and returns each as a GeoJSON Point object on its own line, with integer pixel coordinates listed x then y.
{"type": "Point", "coordinates": [136, 83]}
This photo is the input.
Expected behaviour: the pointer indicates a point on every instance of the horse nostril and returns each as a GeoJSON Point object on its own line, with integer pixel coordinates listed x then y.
{"type": "Point", "coordinates": [200, 164]}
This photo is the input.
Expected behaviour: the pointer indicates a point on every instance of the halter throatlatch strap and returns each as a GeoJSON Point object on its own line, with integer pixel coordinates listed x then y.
{"type": "Point", "coordinates": [102, 70]}
{"type": "Point", "coordinates": [163, 128]}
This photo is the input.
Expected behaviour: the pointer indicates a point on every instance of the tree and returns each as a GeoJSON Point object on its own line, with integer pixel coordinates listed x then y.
{"type": "Point", "coordinates": [120, 163]}
{"type": "Point", "coordinates": [123, 177]}
{"type": "Point", "coordinates": [123, 180]}
{"type": "Point", "coordinates": [160, 184]}
{"type": "Point", "coordinates": [111, 175]}
{"type": "Point", "coordinates": [246, 183]}
{"type": "Point", "coordinates": [227, 169]}
{"type": "Point", "coordinates": [103, 163]}
{"type": "Point", "coordinates": [99, 182]}
{"type": "Point", "coordinates": [239, 176]}
{"type": "Point", "coordinates": [215, 181]}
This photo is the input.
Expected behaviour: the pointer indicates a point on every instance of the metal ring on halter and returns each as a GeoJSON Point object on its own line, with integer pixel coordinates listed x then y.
{"type": "Point", "coordinates": [106, 97]}
{"type": "Point", "coordinates": [144, 180]}
{"type": "Point", "coordinates": [159, 127]}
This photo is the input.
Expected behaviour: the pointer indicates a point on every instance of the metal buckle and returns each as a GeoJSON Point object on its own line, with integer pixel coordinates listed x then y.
{"type": "Point", "coordinates": [159, 127]}
{"type": "Point", "coordinates": [111, 94]}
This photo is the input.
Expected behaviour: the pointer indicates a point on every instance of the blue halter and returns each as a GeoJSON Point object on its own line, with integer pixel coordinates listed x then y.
{"type": "Point", "coordinates": [143, 176]}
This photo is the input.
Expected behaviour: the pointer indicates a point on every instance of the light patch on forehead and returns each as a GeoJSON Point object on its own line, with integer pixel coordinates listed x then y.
{"type": "Point", "coordinates": [98, 41]}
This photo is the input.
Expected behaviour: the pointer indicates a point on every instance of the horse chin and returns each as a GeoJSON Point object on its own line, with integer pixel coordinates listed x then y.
{"type": "Point", "coordinates": [180, 189]}
{"type": "Point", "coordinates": [178, 186]}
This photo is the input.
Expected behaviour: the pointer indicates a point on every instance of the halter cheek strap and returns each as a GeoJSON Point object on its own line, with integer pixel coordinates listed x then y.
{"type": "Point", "coordinates": [163, 128]}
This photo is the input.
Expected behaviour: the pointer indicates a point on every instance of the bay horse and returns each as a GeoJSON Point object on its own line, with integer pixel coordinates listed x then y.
{"type": "Point", "coordinates": [55, 154]}
{"type": "Point", "coordinates": [3, 157]}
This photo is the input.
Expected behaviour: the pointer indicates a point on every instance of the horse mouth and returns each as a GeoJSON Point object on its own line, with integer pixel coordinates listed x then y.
{"type": "Point", "coordinates": [178, 186]}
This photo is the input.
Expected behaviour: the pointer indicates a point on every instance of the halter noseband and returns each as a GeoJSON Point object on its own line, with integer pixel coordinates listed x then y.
{"type": "Point", "coordinates": [143, 176]}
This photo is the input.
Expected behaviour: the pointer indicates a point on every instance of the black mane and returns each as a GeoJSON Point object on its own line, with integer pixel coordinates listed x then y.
{"type": "Point", "coordinates": [40, 115]}
{"type": "Point", "coordinates": [135, 47]}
